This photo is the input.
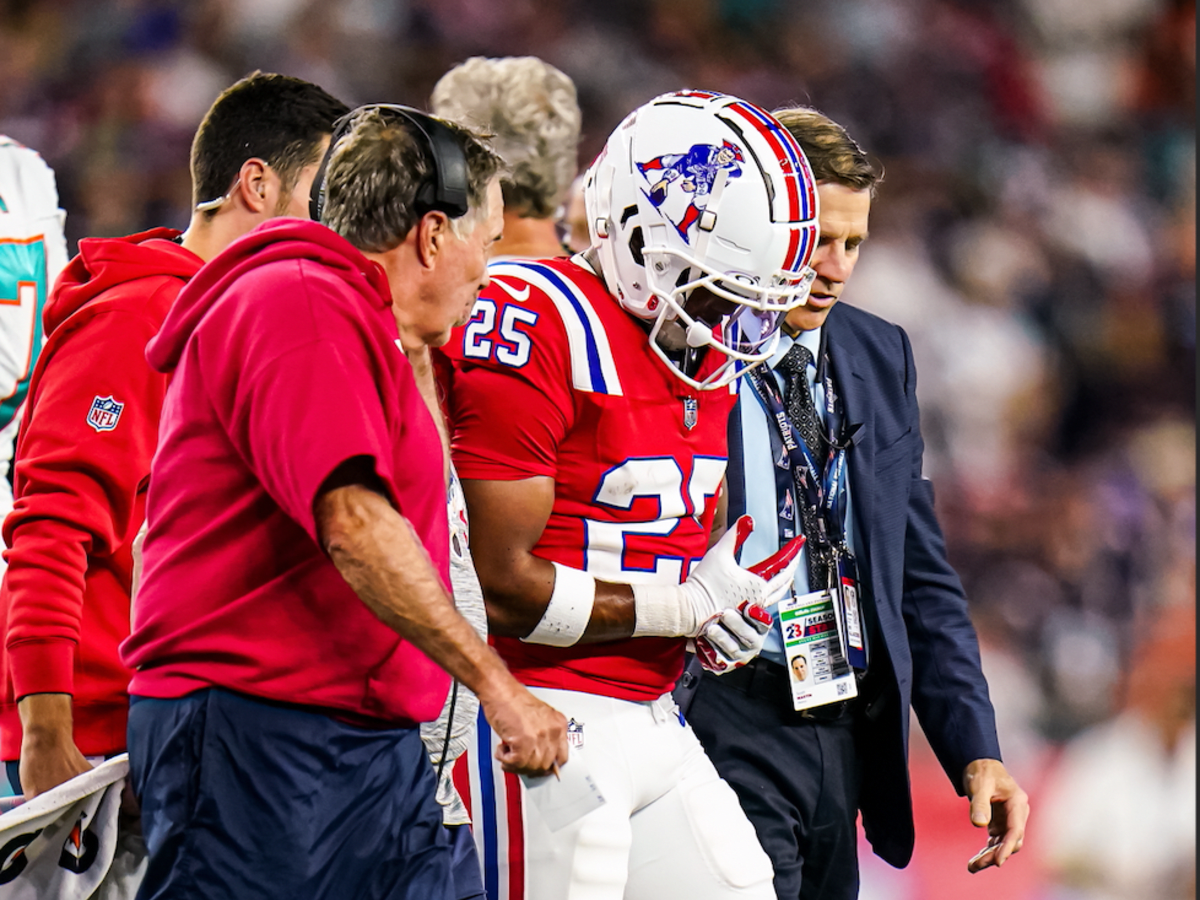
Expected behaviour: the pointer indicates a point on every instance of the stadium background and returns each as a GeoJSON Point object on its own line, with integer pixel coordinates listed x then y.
{"type": "Point", "coordinates": [1035, 234]}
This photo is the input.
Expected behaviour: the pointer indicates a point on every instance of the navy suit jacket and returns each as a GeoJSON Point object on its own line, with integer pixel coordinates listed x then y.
{"type": "Point", "coordinates": [912, 599]}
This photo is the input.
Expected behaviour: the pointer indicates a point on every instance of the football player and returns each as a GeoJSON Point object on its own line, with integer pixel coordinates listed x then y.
{"type": "Point", "coordinates": [589, 399]}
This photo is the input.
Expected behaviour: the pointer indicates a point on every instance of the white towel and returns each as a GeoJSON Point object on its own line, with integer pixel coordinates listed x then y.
{"type": "Point", "coordinates": [65, 844]}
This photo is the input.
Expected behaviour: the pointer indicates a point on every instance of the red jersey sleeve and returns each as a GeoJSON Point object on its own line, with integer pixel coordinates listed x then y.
{"type": "Point", "coordinates": [508, 389]}
{"type": "Point", "coordinates": [83, 456]}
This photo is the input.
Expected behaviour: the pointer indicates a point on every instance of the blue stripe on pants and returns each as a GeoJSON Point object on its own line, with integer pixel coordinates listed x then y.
{"type": "Point", "coordinates": [487, 791]}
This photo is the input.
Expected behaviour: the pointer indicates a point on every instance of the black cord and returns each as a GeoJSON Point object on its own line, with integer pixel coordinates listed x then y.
{"type": "Point", "coordinates": [449, 728]}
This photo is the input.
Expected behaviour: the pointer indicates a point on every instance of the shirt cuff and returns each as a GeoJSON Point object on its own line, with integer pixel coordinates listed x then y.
{"type": "Point", "coordinates": [42, 667]}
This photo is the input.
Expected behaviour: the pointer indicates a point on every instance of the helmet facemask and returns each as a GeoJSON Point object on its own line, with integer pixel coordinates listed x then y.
{"type": "Point", "coordinates": [747, 333]}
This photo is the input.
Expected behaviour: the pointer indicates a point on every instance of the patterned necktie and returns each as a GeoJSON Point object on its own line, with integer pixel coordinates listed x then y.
{"type": "Point", "coordinates": [802, 414]}
{"type": "Point", "coordinates": [797, 398]}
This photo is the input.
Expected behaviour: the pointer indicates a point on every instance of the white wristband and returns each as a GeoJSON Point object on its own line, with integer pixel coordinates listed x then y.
{"type": "Point", "coordinates": [659, 611]}
{"type": "Point", "coordinates": [569, 610]}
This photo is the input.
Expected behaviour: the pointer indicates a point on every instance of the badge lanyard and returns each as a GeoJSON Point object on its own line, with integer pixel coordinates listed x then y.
{"type": "Point", "coordinates": [824, 487]}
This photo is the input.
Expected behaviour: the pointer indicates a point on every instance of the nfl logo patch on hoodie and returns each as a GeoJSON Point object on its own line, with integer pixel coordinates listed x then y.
{"type": "Point", "coordinates": [105, 413]}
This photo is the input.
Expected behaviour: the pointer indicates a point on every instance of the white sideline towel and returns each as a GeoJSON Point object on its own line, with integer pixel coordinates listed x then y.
{"type": "Point", "coordinates": [64, 844]}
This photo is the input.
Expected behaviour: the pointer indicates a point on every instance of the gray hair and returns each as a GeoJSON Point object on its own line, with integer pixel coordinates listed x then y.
{"type": "Point", "coordinates": [530, 111]}
{"type": "Point", "coordinates": [375, 172]}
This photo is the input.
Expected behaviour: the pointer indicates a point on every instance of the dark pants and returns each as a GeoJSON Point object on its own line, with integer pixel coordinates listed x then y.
{"type": "Point", "coordinates": [797, 778]}
{"type": "Point", "coordinates": [468, 872]}
{"type": "Point", "coordinates": [247, 799]}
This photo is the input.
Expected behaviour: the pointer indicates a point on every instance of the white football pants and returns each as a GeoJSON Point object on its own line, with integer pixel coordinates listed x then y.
{"type": "Point", "coordinates": [670, 827]}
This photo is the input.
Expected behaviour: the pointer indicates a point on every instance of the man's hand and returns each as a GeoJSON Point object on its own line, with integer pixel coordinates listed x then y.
{"type": "Point", "coordinates": [999, 804]}
{"type": "Point", "coordinates": [533, 734]}
{"type": "Point", "coordinates": [48, 752]}
{"type": "Point", "coordinates": [732, 638]}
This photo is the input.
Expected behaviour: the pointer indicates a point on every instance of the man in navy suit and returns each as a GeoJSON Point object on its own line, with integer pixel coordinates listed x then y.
{"type": "Point", "coordinates": [826, 441]}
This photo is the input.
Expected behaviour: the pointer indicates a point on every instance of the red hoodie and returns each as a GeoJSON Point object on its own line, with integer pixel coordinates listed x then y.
{"type": "Point", "coordinates": [83, 459]}
{"type": "Point", "coordinates": [286, 364]}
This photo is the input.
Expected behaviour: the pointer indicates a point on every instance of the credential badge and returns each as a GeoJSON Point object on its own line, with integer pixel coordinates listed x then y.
{"type": "Point", "coordinates": [691, 409]}
{"type": "Point", "coordinates": [105, 413]}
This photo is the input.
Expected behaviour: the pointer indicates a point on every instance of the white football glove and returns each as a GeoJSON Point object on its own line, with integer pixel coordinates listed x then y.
{"type": "Point", "coordinates": [717, 583]}
{"type": "Point", "coordinates": [732, 638]}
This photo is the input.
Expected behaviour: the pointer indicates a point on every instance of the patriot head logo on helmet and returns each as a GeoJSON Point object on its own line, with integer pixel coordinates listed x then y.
{"type": "Point", "coordinates": [693, 173]}
{"type": "Point", "coordinates": [703, 214]}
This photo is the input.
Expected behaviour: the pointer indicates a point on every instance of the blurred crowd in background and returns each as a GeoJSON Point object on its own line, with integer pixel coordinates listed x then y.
{"type": "Point", "coordinates": [1034, 234]}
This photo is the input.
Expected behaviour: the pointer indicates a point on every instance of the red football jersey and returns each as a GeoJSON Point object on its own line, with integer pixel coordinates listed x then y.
{"type": "Point", "coordinates": [552, 377]}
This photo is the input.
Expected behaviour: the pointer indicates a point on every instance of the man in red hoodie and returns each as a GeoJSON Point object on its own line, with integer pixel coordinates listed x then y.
{"type": "Point", "coordinates": [294, 623]}
{"type": "Point", "coordinates": [90, 429]}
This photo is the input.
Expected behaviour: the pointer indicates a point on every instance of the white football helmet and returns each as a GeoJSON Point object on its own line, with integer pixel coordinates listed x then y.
{"type": "Point", "coordinates": [696, 189]}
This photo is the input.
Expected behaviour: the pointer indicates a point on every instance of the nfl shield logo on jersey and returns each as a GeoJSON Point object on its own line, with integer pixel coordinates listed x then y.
{"type": "Point", "coordinates": [574, 734]}
{"type": "Point", "coordinates": [105, 413]}
{"type": "Point", "coordinates": [691, 408]}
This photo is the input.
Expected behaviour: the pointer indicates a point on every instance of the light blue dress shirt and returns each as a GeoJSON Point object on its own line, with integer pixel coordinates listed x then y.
{"type": "Point", "coordinates": [761, 502]}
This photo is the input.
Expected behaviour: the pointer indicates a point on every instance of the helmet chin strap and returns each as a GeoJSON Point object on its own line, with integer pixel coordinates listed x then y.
{"type": "Point", "coordinates": [681, 346]}
{"type": "Point", "coordinates": [671, 336]}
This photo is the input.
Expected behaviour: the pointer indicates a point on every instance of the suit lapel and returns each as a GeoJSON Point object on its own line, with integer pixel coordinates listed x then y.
{"type": "Point", "coordinates": [845, 358]}
{"type": "Point", "coordinates": [843, 349]}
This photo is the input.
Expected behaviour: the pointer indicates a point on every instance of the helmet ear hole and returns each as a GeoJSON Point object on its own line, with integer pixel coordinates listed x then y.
{"type": "Point", "coordinates": [636, 243]}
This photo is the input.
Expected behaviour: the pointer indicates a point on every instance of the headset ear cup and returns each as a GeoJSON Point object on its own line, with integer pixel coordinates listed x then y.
{"type": "Point", "coordinates": [451, 177]}
{"type": "Point", "coordinates": [425, 199]}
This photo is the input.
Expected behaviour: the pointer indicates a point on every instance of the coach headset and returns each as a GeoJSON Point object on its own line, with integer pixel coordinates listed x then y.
{"type": "Point", "coordinates": [446, 192]}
